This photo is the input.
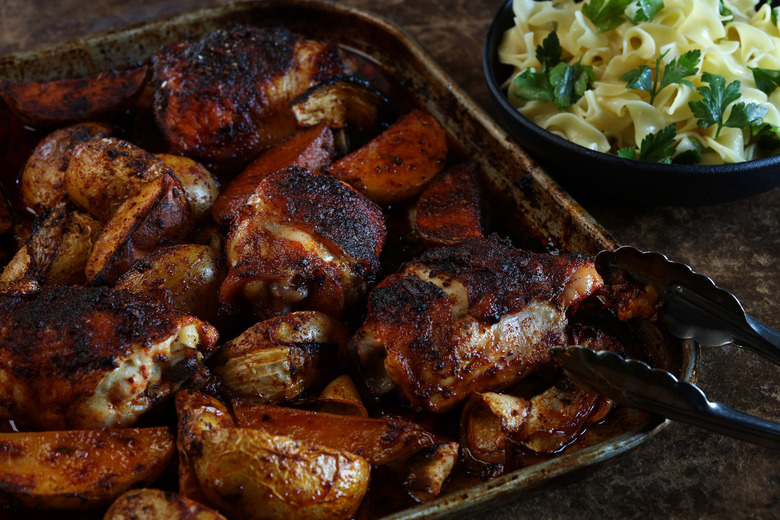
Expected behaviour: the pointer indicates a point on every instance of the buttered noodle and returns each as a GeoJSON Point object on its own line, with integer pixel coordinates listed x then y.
{"type": "Point", "coordinates": [610, 116]}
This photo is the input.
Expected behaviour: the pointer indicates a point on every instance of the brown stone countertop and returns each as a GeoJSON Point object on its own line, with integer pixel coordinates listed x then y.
{"type": "Point", "coordinates": [683, 472]}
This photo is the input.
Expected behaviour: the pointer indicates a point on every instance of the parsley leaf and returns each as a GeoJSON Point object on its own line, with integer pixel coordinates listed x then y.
{"type": "Point", "coordinates": [647, 9]}
{"type": "Point", "coordinates": [570, 82]}
{"type": "Point", "coordinates": [558, 81]}
{"type": "Point", "coordinates": [767, 80]}
{"type": "Point", "coordinates": [675, 71]}
{"type": "Point", "coordinates": [549, 52]}
{"type": "Point", "coordinates": [724, 11]}
{"type": "Point", "coordinates": [655, 147]}
{"type": "Point", "coordinates": [605, 14]}
{"type": "Point", "coordinates": [715, 100]}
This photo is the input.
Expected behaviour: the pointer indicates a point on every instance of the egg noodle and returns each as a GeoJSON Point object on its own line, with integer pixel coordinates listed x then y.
{"type": "Point", "coordinates": [610, 116]}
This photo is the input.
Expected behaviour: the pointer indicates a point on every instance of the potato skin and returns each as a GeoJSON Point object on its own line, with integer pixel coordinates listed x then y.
{"type": "Point", "coordinates": [79, 469]}
{"type": "Point", "coordinates": [158, 215]}
{"type": "Point", "coordinates": [398, 163]}
{"type": "Point", "coordinates": [42, 183]}
{"type": "Point", "coordinates": [68, 100]}
{"type": "Point", "coordinates": [154, 504]}
{"type": "Point", "coordinates": [102, 173]}
{"type": "Point", "coordinates": [186, 275]}
{"type": "Point", "coordinates": [250, 474]}
{"type": "Point", "coordinates": [201, 186]}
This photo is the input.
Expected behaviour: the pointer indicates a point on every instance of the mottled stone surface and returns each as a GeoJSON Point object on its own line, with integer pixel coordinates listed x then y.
{"type": "Point", "coordinates": [683, 472]}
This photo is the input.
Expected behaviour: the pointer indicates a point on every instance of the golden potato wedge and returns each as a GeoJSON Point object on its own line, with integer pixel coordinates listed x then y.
{"type": "Point", "coordinates": [201, 186]}
{"type": "Point", "coordinates": [79, 469]}
{"type": "Point", "coordinates": [186, 275]}
{"type": "Point", "coordinates": [102, 173]}
{"type": "Point", "coordinates": [42, 184]}
{"type": "Point", "coordinates": [57, 251]}
{"type": "Point", "coordinates": [382, 441]}
{"type": "Point", "coordinates": [398, 163]}
{"type": "Point", "coordinates": [250, 474]}
{"type": "Point", "coordinates": [196, 413]}
{"type": "Point", "coordinates": [341, 397]}
{"type": "Point", "coordinates": [448, 210]}
{"type": "Point", "coordinates": [157, 215]}
{"type": "Point", "coordinates": [154, 504]}
{"type": "Point", "coordinates": [311, 149]}
{"type": "Point", "coordinates": [338, 101]}
{"type": "Point", "coordinates": [69, 100]}
{"type": "Point", "coordinates": [278, 359]}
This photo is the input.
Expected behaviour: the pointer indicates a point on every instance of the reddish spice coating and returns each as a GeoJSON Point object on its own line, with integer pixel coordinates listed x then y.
{"type": "Point", "coordinates": [58, 345]}
{"type": "Point", "coordinates": [69, 100]}
{"type": "Point", "coordinates": [475, 317]}
{"type": "Point", "coordinates": [225, 97]}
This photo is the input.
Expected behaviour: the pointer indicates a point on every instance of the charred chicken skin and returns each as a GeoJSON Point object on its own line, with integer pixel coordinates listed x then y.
{"type": "Point", "coordinates": [303, 242]}
{"type": "Point", "coordinates": [471, 318]}
{"type": "Point", "coordinates": [225, 97]}
{"type": "Point", "coordinates": [92, 357]}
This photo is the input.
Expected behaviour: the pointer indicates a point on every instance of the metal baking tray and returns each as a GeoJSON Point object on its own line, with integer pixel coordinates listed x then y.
{"type": "Point", "coordinates": [526, 197]}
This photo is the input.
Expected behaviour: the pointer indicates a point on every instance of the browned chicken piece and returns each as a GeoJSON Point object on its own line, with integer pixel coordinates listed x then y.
{"type": "Point", "coordinates": [471, 318]}
{"type": "Point", "coordinates": [66, 101]}
{"type": "Point", "coordinates": [303, 242]}
{"type": "Point", "coordinates": [58, 249]}
{"type": "Point", "coordinates": [42, 184]}
{"type": "Point", "coordinates": [448, 211]}
{"type": "Point", "coordinates": [211, 105]}
{"type": "Point", "coordinates": [92, 357]}
{"type": "Point", "coordinates": [311, 149]}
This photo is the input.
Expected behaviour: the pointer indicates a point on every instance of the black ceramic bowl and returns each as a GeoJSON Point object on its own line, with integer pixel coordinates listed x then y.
{"type": "Point", "coordinates": [590, 174]}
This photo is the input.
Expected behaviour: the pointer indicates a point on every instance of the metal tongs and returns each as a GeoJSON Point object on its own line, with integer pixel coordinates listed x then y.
{"type": "Point", "coordinates": [694, 308]}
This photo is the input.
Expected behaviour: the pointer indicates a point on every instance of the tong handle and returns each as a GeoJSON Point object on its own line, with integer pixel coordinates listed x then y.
{"type": "Point", "coordinates": [715, 417]}
{"type": "Point", "coordinates": [768, 344]}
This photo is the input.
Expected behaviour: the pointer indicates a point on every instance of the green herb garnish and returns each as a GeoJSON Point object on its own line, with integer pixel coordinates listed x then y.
{"type": "Point", "coordinates": [717, 97]}
{"type": "Point", "coordinates": [558, 81]}
{"type": "Point", "coordinates": [606, 14]}
{"type": "Point", "coordinates": [646, 10]}
{"type": "Point", "coordinates": [675, 71]}
{"type": "Point", "coordinates": [655, 147]}
{"type": "Point", "coordinates": [767, 80]}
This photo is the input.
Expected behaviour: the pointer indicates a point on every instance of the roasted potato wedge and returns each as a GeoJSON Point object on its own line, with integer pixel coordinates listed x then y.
{"type": "Point", "coordinates": [428, 470]}
{"type": "Point", "coordinates": [251, 474]}
{"type": "Point", "coordinates": [382, 441]}
{"type": "Point", "coordinates": [79, 469]}
{"type": "Point", "coordinates": [102, 173]}
{"type": "Point", "coordinates": [488, 422]}
{"type": "Point", "coordinates": [187, 275]}
{"type": "Point", "coordinates": [278, 359]}
{"type": "Point", "coordinates": [339, 101]}
{"type": "Point", "coordinates": [311, 149]}
{"type": "Point", "coordinates": [398, 163]}
{"type": "Point", "coordinates": [158, 215]}
{"type": "Point", "coordinates": [69, 100]}
{"type": "Point", "coordinates": [448, 210]}
{"type": "Point", "coordinates": [57, 251]}
{"type": "Point", "coordinates": [201, 186]}
{"type": "Point", "coordinates": [154, 504]}
{"type": "Point", "coordinates": [42, 184]}
{"type": "Point", "coordinates": [196, 413]}
{"type": "Point", "coordinates": [341, 397]}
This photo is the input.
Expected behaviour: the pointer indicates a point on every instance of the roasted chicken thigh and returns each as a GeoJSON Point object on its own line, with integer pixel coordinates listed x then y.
{"type": "Point", "coordinates": [303, 242]}
{"type": "Point", "coordinates": [92, 357]}
{"type": "Point", "coordinates": [476, 317]}
{"type": "Point", "coordinates": [225, 97]}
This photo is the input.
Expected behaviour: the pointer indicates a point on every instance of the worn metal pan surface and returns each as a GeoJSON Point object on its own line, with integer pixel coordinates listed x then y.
{"type": "Point", "coordinates": [525, 197]}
